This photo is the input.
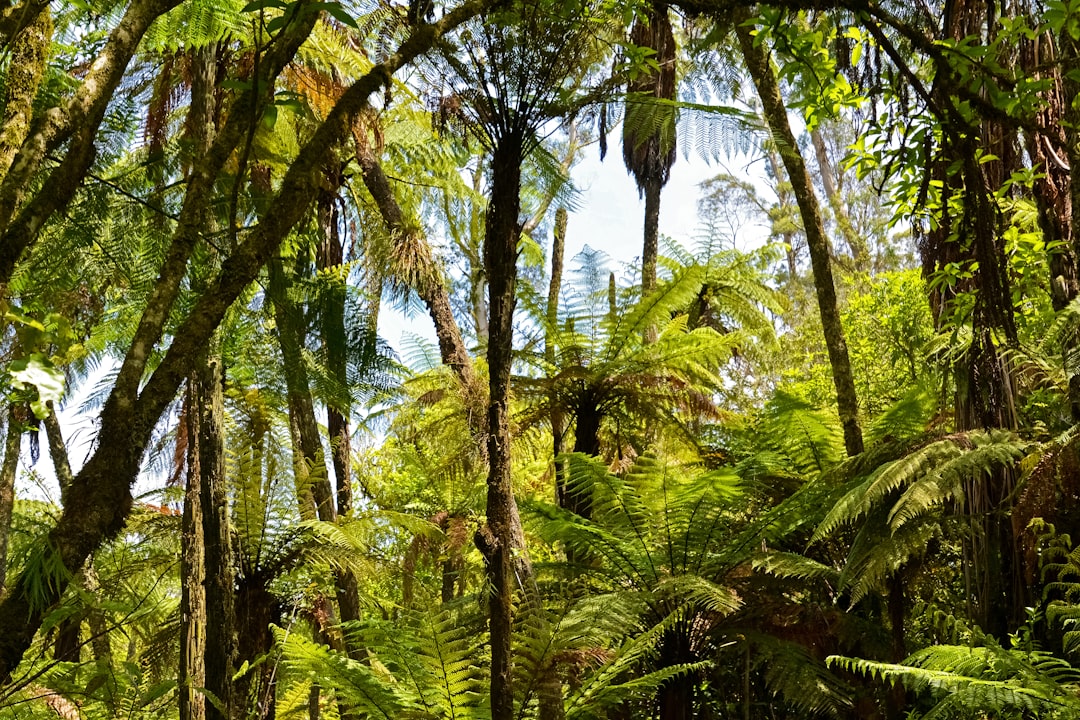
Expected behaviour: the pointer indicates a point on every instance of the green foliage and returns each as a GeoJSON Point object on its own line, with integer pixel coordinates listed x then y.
{"type": "Point", "coordinates": [925, 478]}
{"type": "Point", "coordinates": [965, 681]}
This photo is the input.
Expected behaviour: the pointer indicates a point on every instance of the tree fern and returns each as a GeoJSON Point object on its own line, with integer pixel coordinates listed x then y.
{"type": "Point", "coordinates": [973, 681]}
{"type": "Point", "coordinates": [360, 685]}
{"type": "Point", "coordinates": [809, 437]}
{"type": "Point", "coordinates": [928, 476]}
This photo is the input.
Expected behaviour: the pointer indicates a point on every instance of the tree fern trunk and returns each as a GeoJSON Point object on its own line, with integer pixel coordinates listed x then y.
{"type": "Point", "coordinates": [312, 484]}
{"type": "Point", "coordinates": [192, 573]}
{"type": "Point", "coordinates": [217, 548]}
{"type": "Point", "coordinates": [650, 249]}
{"type": "Point", "coordinates": [502, 540]}
{"type": "Point", "coordinates": [331, 255]}
{"type": "Point", "coordinates": [759, 64]}
{"type": "Point", "coordinates": [256, 610]}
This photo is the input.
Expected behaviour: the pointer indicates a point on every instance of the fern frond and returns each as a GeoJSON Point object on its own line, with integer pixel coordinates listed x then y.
{"type": "Point", "coordinates": [654, 311]}
{"type": "Point", "coordinates": [793, 565]}
{"type": "Point", "coordinates": [358, 684]}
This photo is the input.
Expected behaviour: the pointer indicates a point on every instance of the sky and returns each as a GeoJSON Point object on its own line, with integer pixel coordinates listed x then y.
{"type": "Point", "coordinates": [609, 216]}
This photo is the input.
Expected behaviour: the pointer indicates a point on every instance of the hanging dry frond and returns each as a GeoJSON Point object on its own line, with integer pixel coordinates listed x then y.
{"type": "Point", "coordinates": [649, 129]}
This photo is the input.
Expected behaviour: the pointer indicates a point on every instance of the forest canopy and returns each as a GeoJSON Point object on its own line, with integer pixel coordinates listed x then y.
{"type": "Point", "coordinates": [819, 459]}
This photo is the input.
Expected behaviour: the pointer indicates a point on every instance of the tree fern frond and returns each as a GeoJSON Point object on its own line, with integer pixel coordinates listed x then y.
{"type": "Point", "coordinates": [931, 474]}
{"type": "Point", "coordinates": [701, 592]}
{"type": "Point", "coordinates": [359, 685]}
{"type": "Point", "coordinates": [989, 452]}
{"type": "Point", "coordinates": [793, 565]}
{"type": "Point", "coordinates": [654, 310]}
{"type": "Point", "coordinates": [810, 437]}
{"type": "Point", "coordinates": [906, 418]}
{"type": "Point", "coordinates": [799, 678]}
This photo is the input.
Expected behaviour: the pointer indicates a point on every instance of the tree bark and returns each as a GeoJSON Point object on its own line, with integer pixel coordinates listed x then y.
{"type": "Point", "coordinates": [193, 644]}
{"type": "Point", "coordinates": [759, 64]}
{"type": "Point", "coordinates": [313, 491]}
{"type": "Point", "coordinates": [424, 278]}
{"type": "Point", "coordinates": [15, 18]}
{"type": "Point", "coordinates": [58, 452]}
{"type": "Point", "coordinates": [76, 124]}
{"type": "Point", "coordinates": [651, 247]}
{"type": "Point", "coordinates": [558, 415]}
{"type": "Point", "coordinates": [26, 68]}
{"type": "Point", "coordinates": [220, 582]}
{"type": "Point", "coordinates": [87, 577]}
{"type": "Point", "coordinates": [331, 255]}
{"type": "Point", "coordinates": [502, 539]}
{"type": "Point", "coordinates": [256, 610]}
{"type": "Point", "coordinates": [860, 254]}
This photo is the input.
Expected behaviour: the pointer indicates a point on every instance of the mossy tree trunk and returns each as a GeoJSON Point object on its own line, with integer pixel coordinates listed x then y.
{"type": "Point", "coordinates": [759, 64]}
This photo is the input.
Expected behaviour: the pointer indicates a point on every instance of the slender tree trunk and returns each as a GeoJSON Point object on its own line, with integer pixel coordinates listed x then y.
{"type": "Point", "coordinates": [1069, 52]}
{"type": "Point", "coordinates": [860, 253]}
{"type": "Point", "coordinates": [502, 539]}
{"type": "Point", "coordinates": [88, 577]}
{"type": "Point", "coordinates": [331, 255]}
{"type": "Point", "coordinates": [8, 470]}
{"type": "Point", "coordinates": [424, 279]}
{"type": "Point", "coordinates": [550, 686]}
{"type": "Point", "coordinates": [67, 634]}
{"type": "Point", "coordinates": [783, 200]}
{"type": "Point", "coordinates": [759, 64]}
{"type": "Point", "coordinates": [58, 452]}
{"type": "Point", "coordinates": [219, 580]}
{"type": "Point", "coordinates": [558, 416]}
{"type": "Point", "coordinates": [192, 573]}
{"type": "Point", "coordinates": [312, 484]}
{"type": "Point", "coordinates": [651, 247]}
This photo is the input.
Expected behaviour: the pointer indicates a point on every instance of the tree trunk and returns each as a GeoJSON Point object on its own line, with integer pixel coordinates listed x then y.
{"type": "Point", "coordinates": [558, 416]}
{"type": "Point", "coordinates": [8, 471]}
{"type": "Point", "coordinates": [651, 246]}
{"type": "Point", "coordinates": [783, 200]}
{"type": "Point", "coordinates": [192, 572]}
{"type": "Point", "coordinates": [649, 157]}
{"type": "Point", "coordinates": [26, 67]}
{"type": "Point", "coordinates": [759, 64]}
{"type": "Point", "coordinates": [87, 577]}
{"type": "Point", "coordinates": [424, 278]}
{"type": "Point", "coordinates": [676, 696]}
{"type": "Point", "coordinates": [312, 484]}
{"type": "Point", "coordinates": [860, 254]}
{"type": "Point", "coordinates": [331, 255]}
{"type": "Point", "coordinates": [220, 584]}
{"type": "Point", "coordinates": [502, 540]}
{"type": "Point", "coordinates": [256, 610]}
{"type": "Point", "coordinates": [58, 452]}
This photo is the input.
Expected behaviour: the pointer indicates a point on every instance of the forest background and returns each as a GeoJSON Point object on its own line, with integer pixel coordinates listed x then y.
{"type": "Point", "coordinates": [817, 460]}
